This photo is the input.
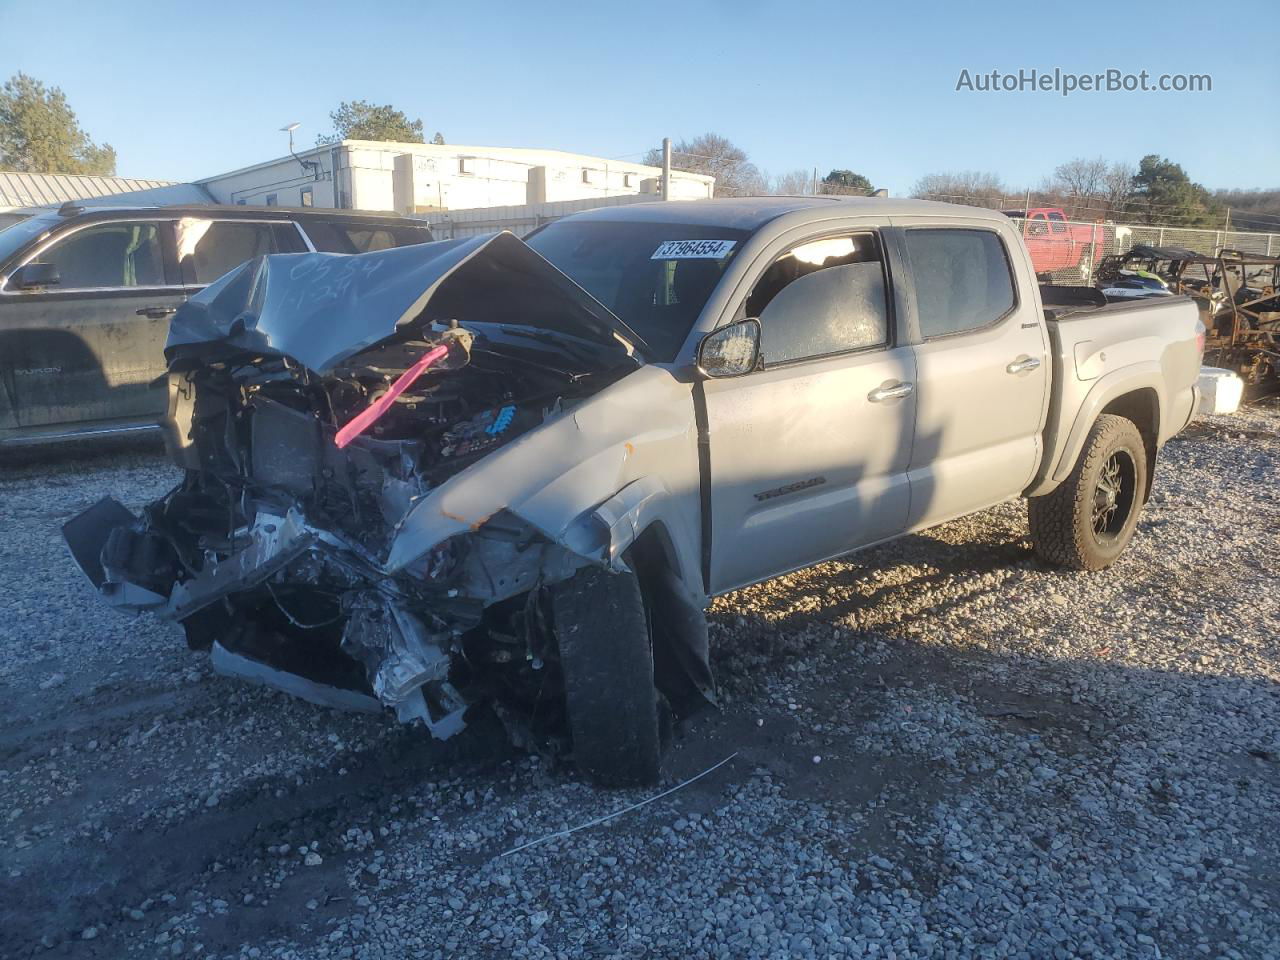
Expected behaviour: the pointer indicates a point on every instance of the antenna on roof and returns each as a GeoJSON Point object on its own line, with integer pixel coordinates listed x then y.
{"type": "Point", "coordinates": [308, 166]}
{"type": "Point", "coordinates": [70, 209]}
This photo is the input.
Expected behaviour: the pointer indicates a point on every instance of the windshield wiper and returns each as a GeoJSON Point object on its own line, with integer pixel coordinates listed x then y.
{"type": "Point", "coordinates": [580, 349]}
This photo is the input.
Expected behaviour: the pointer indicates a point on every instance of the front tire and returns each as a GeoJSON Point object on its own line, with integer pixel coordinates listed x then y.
{"type": "Point", "coordinates": [1086, 523]}
{"type": "Point", "coordinates": [606, 656]}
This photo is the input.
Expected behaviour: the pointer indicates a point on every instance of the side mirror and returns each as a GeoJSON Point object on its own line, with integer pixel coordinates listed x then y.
{"type": "Point", "coordinates": [730, 351]}
{"type": "Point", "coordinates": [32, 275]}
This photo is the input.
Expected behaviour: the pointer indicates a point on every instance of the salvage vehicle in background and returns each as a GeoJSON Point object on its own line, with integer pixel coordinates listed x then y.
{"type": "Point", "coordinates": [1056, 244]}
{"type": "Point", "coordinates": [86, 294]}
{"type": "Point", "coordinates": [508, 472]}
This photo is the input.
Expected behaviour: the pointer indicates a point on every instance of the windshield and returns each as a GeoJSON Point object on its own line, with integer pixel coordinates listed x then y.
{"type": "Point", "coordinates": [16, 236]}
{"type": "Point", "coordinates": [655, 277]}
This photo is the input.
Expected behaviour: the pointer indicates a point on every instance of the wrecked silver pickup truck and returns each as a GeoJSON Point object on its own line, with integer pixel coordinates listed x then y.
{"type": "Point", "coordinates": [450, 474]}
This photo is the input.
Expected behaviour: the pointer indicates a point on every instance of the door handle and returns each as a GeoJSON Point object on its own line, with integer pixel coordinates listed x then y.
{"type": "Point", "coordinates": [156, 313]}
{"type": "Point", "coordinates": [1020, 366]}
{"type": "Point", "coordinates": [897, 392]}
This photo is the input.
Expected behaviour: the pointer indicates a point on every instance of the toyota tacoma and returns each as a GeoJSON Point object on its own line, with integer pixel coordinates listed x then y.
{"type": "Point", "coordinates": [513, 472]}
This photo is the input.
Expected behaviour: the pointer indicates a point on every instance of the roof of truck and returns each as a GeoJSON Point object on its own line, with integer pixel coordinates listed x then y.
{"type": "Point", "coordinates": [750, 213]}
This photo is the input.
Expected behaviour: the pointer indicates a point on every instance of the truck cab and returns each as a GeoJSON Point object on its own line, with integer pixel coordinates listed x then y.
{"type": "Point", "coordinates": [1056, 244]}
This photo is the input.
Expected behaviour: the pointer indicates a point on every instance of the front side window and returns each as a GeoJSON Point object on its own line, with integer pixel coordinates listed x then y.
{"type": "Point", "coordinates": [822, 297]}
{"type": "Point", "coordinates": [962, 278]}
{"type": "Point", "coordinates": [109, 255]}
{"type": "Point", "coordinates": [1037, 226]}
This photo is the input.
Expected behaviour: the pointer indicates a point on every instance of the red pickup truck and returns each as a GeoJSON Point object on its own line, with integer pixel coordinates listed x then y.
{"type": "Point", "coordinates": [1055, 244]}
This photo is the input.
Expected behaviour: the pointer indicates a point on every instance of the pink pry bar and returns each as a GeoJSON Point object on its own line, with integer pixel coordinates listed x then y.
{"type": "Point", "coordinates": [365, 418]}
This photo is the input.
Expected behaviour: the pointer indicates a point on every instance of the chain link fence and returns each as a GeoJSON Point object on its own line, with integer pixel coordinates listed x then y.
{"type": "Point", "coordinates": [1069, 251]}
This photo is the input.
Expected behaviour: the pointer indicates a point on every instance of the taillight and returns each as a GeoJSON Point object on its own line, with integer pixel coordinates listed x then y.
{"type": "Point", "coordinates": [1200, 342]}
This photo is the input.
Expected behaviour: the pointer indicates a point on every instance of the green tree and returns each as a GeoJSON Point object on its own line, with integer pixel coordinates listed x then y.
{"type": "Point", "coordinates": [846, 183]}
{"type": "Point", "coordinates": [1163, 193]}
{"type": "Point", "coordinates": [39, 132]}
{"type": "Point", "coordinates": [438, 139]}
{"type": "Point", "coordinates": [362, 120]}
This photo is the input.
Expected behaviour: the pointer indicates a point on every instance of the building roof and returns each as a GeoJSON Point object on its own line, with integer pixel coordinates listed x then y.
{"type": "Point", "coordinates": [53, 189]}
{"type": "Point", "coordinates": [749, 213]}
{"type": "Point", "coordinates": [531, 156]}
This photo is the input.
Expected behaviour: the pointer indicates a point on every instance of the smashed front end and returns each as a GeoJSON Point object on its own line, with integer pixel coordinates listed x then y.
{"type": "Point", "coordinates": [314, 400]}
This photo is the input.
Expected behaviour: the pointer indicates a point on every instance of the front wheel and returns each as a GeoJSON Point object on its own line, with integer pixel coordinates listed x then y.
{"type": "Point", "coordinates": [1087, 522]}
{"type": "Point", "coordinates": [606, 656]}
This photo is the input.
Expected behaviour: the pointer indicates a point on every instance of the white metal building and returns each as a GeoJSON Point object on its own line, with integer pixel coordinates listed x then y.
{"type": "Point", "coordinates": [425, 178]}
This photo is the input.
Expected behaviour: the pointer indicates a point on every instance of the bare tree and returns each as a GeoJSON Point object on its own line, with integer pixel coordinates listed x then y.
{"type": "Point", "coordinates": [794, 183]}
{"type": "Point", "coordinates": [1118, 187]}
{"type": "Point", "coordinates": [715, 156]}
{"type": "Point", "coordinates": [1080, 183]}
{"type": "Point", "coordinates": [970, 186]}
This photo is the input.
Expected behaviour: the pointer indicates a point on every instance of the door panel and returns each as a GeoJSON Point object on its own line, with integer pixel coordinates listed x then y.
{"type": "Point", "coordinates": [982, 393]}
{"type": "Point", "coordinates": [804, 466]}
{"type": "Point", "coordinates": [75, 359]}
{"type": "Point", "coordinates": [80, 351]}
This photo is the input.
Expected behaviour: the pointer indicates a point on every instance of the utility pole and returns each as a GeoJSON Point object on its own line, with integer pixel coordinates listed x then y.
{"type": "Point", "coordinates": [666, 168]}
{"type": "Point", "coordinates": [815, 181]}
{"type": "Point", "coordinates": [1227, 226]}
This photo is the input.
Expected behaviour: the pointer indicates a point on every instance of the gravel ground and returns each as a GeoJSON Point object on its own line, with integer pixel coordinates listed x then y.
{"type": "Point", "coordinates": [939, 749]}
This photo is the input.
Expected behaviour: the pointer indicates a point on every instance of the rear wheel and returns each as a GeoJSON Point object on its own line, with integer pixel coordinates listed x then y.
{"type": "Point", "coordinates": [1088, 521]}
{"type": "Point", "coordinates": [606, 655]}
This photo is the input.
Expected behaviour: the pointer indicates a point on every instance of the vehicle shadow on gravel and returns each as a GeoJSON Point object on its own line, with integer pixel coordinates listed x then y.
{"type": "Point", "coordinates": [939, 721]}
{"type": "Point", "coordinates": [106, 858]}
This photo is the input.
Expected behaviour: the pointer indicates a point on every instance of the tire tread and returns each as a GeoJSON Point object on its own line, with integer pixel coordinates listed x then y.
{"type": "Point", "coordinates": [1058, 519]}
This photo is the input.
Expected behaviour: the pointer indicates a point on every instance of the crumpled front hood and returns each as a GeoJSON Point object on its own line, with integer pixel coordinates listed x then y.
{"type": "Point", "coordinates": [323, 308]}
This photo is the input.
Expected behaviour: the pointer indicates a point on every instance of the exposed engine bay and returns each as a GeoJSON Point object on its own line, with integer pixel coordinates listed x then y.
{"type": "Point", "coordinates": [273, 550]}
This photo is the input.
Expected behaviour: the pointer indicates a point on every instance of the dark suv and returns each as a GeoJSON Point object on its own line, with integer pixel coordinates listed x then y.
{"type": "Point", "coordinates": [86, 294]}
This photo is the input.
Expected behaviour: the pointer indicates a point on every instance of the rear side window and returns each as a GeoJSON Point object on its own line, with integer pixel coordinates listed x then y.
{"type": "Point", "coordinates": [210, 248]}
{"type": "Point", "coordinates": [109, 255]}
{"type": "Point", "coordinates": [822, 297]}
{"type": "Point", "coordinates": [962, 278]}
{"type": "Point", "coordinates": [330, 237]}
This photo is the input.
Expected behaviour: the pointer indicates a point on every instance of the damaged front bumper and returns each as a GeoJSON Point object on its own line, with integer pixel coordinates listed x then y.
{"type": "Point", "coordinates": [255, 608]}
{"type": "Point", "coordinates": [407, 664]}
{"type": "Point", "coordinates": [296, 548]}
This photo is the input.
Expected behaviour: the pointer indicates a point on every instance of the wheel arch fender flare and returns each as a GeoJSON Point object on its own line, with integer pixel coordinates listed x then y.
{"type": "Point", "coordinates": [1144, 382]}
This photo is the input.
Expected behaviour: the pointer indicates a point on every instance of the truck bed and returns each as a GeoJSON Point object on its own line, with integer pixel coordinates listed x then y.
{"type": "Point", "coordinates": [1064, 303]}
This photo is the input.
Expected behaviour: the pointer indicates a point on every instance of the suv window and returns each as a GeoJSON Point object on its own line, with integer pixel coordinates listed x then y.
{"type": "Point", "coordinates": [821, 297]}
{"type": "Point", "coordinates": [330, 237]}
{"type": "Point", "coordinates": [962, 277]}
{"type": "Point", "coordinates": [121, 254]}
{"type": "Point", "coordinates": [1057, 222]}
{"type": "Point", "coordinates": [210, 248]}
{"type": "Point", "coordinates": [1037, 226]}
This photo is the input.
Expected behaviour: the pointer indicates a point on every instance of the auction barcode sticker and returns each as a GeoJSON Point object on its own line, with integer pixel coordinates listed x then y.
{"type": "Point", "coordinates": [693, 249]}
